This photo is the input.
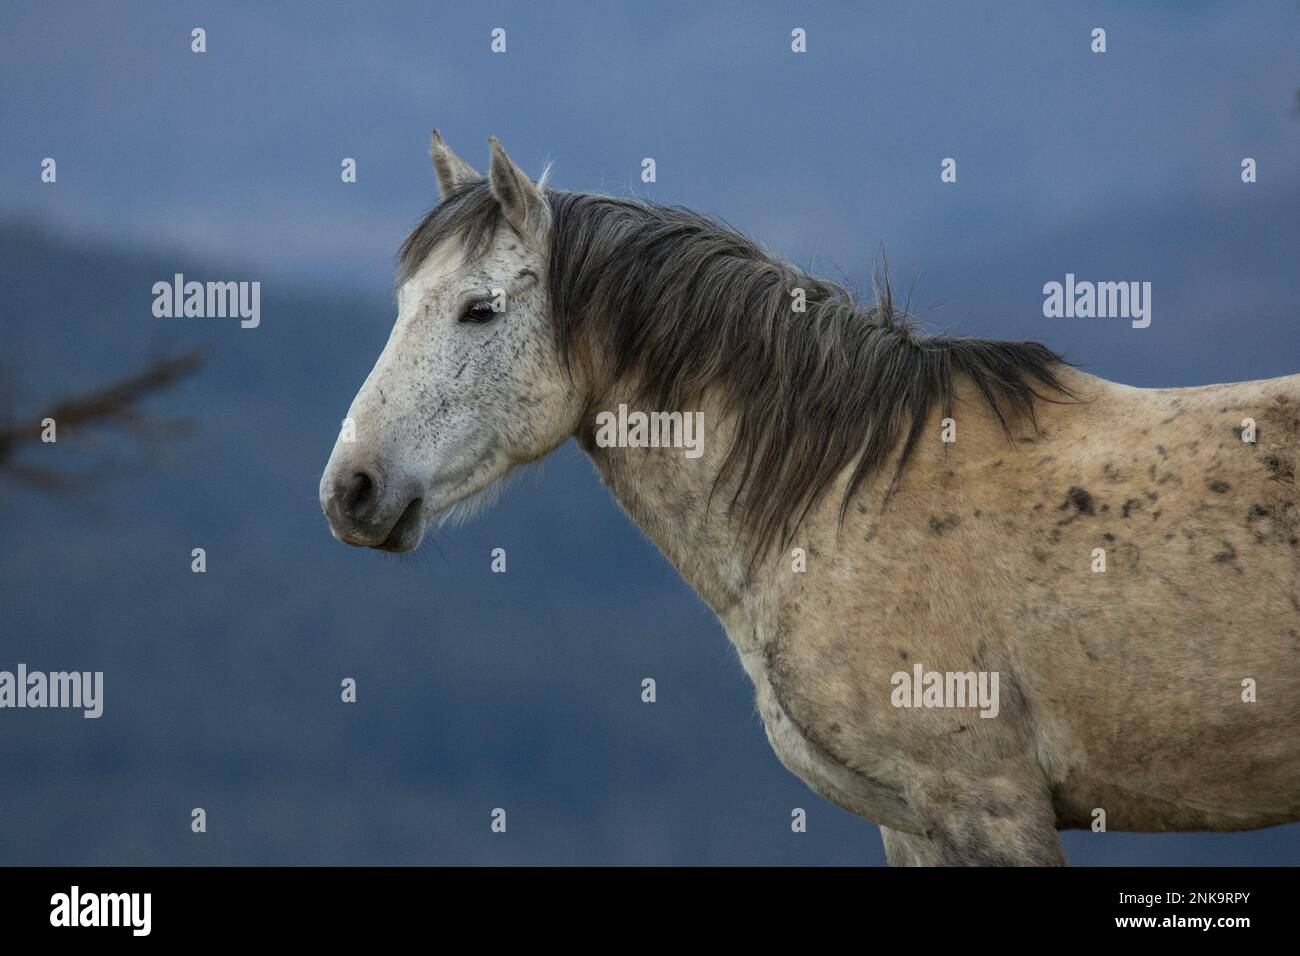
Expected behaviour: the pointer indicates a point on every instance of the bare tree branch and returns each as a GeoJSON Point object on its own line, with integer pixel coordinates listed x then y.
{"type": "Point", "coordinates": [111, 405]}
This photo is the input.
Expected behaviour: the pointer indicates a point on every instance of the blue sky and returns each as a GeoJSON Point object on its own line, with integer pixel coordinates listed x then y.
{"type": "Point", "coordinates": [1123, 165]}
{"type": "Point", "coordinates": [1126, 161]}
{"type": "Point", "coordinates": [830, 152]}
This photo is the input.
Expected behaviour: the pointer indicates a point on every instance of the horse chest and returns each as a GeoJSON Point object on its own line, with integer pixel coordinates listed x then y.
{"type": "Point", "coordinates": [859, 791]}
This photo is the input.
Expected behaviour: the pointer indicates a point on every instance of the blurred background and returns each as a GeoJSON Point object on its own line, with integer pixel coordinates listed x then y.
{"type": "Point", "coordinates": [480, 690]}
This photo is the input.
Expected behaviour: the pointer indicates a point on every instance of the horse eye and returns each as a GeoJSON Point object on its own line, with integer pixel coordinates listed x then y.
{"type": "Point", "coordinates": [479, 312]}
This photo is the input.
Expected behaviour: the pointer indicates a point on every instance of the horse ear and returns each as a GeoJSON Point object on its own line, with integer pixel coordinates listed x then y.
{"type": "Point", "coordinates": [453, 172]}
{"type": "Point", "coordinates": [520, 200]}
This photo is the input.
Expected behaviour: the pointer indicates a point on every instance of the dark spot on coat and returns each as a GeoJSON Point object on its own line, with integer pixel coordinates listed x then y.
{"type": "Point", "coordinates": [1080, 499]}
{"type": "Point", "coordinates": [1218, 487]}
{"type": "Point", "coordinates": [1277, 469]}
{"type": "Point", "coordinates": [942, 526]}
{"type": "Point", "coordinates": [1229, 553]}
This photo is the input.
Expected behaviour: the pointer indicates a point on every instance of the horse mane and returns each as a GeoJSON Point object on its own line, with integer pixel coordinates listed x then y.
{"type": "Point", "coordinates": [679, 304]}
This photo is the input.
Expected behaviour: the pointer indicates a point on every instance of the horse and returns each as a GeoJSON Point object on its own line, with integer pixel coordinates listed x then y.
{"type": "Point", "coordinates": [983, 596]}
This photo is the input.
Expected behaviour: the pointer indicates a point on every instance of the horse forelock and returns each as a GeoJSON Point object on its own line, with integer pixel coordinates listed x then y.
{"type": "Point", "coordinates": [470, 215]}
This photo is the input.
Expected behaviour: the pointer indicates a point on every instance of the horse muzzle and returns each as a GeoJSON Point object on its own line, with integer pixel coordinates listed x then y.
{"type": "Point", "coordinates": [369, 509]}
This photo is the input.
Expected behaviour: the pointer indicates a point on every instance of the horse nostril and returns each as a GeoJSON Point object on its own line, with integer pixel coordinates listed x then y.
{"type": "Point", "coordinates": [359, 496]}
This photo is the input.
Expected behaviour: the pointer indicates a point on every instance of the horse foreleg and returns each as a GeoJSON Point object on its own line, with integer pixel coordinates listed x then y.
{"type": "Point", "coordinates": [980, 830]}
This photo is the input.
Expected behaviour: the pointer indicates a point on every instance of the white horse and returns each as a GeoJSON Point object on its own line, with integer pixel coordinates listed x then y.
{"type": "Point", "coordinates": [982, 596]}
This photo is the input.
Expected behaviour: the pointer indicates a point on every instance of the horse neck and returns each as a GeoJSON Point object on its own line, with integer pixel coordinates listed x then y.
{"type": "Point", "coordinates": [668, 496]}
{"type": "Point", "coordinates": [674, 501]}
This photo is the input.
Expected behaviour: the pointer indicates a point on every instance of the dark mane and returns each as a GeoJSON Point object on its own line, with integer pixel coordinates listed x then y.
{"type": "Point", "coordinates": [470, 215]}
{"type": "Point", "coordinates": [680, 304]}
